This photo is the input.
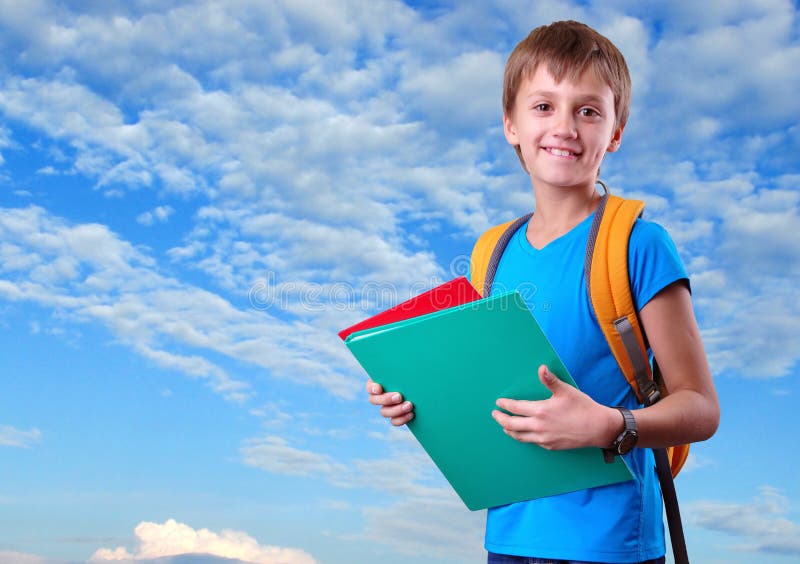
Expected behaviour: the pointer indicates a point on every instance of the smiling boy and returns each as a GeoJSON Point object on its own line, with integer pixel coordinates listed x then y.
{"type": "Point", "coordinates": [566, 98]}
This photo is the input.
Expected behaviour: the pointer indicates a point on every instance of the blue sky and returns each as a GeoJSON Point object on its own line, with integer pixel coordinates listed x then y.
{"type": "Point", "coordinates": [196, 196]}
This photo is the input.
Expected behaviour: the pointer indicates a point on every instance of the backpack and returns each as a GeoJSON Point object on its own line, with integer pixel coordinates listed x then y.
{"type": "Point", "coordinates": [606, 269]}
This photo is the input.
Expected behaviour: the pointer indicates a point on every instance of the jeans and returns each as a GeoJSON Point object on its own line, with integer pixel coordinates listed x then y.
{"type": "Point", "coordinates": [506, 559]}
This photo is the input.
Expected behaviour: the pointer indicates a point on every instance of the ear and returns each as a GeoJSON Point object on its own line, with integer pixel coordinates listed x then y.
{"type": "Point", "coordinates": [616, 140]}
{"type": "Point", "coordinates": [510, 130]}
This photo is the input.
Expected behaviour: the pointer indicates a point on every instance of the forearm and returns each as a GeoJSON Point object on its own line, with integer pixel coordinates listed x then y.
{"type": "Point", "coordinates": [690, 411]}
{"type": "Point", "coordinates": [683, 417]}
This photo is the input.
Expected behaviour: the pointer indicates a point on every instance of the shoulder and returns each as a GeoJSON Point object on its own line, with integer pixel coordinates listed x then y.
{"type": "Point", "coordinates": [653, 260]}
{"type": "Point", "coordinates": [649, 239]}
{"type": "Point", "coordinates": [646, 232]}
{"type": "Point", "coordinates": [484, 248]}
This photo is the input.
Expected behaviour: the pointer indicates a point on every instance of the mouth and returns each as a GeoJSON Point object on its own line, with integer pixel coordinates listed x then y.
{"type": "Point", "coordinates": [559, 152]}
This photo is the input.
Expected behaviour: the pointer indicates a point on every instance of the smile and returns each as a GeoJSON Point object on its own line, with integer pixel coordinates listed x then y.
{"type": "Point", "coordinates": [560, 152]}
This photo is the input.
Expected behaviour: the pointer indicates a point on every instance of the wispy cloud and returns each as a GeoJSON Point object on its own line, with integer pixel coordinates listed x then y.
{"type": "Point", "coordinates": [408, 471]}
{"type": "Point", "coordinates": [12, 557]}
{"type": "Point", "coordinates": [696, 461]}
{"type": "Point", "coordinates": [88, 271]}
{"type": "Point", "coordinates": [420, 513]}
{"type": "Point", "coordinates": [760, 525]}
{"type": "Point", "coordinates": [13, 437]}
{"type": "Point", "coordinates": [438, 528]}
{"type": "Point", "coordinates": [275, 455]}
{"type": "Point", "coordinates": [159, 214]}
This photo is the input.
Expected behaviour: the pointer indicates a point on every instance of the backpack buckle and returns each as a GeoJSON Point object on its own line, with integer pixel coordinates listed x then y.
{"type": "Point", "coordinates": [651, 393]}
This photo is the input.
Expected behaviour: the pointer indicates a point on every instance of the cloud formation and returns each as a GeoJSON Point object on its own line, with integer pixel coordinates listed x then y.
{"type": "Point", "coordinates": [322, 161]}
{"type": "Point", "coordinates": [171, 538]}
{"type": "Point", "coordinates": [91, 273]}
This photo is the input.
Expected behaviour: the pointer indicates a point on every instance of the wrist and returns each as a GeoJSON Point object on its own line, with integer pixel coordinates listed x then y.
{"type": "Point", "coordinates": [627, 439]}
{"type": "Point", "coordinates": [614, 425]}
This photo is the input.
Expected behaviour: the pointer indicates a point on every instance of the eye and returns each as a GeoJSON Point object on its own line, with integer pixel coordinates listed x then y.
{"type": "Point", "coordinates": [588, 112]}
{"type": "Point", "coordinates": [543, 107]}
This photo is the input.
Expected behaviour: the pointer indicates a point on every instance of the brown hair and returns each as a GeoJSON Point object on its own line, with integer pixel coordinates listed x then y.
{"type": "Point", "coordinates": [568, 48]}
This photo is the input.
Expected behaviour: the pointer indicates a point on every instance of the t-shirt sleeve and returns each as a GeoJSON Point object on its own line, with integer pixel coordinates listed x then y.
{"type": "Point", "coordinates": [653, 262]}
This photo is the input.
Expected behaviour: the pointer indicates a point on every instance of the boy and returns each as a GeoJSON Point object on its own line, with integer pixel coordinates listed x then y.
{"type": "Point", "coordinates": [566, 97]}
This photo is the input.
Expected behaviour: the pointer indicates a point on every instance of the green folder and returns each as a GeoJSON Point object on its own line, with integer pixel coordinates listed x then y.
{"type": "Point", "coordinates": [453, 365]}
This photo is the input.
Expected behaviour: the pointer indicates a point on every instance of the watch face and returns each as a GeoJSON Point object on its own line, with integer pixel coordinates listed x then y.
{"type": "Point", "coordinates": [627, 442]}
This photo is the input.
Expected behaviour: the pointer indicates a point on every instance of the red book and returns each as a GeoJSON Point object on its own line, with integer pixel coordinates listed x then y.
{"type": "Point", "coordinates": [450, 294]}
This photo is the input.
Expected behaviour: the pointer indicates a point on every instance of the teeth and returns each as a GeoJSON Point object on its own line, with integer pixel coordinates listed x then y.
{"type": "Point", "coordinates": [560, 153]}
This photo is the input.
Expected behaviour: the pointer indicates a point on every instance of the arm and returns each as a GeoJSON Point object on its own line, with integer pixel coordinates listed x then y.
{"type": "Point", "coordinates": [392, 405]}
{"type": "Point", "coordinates": [690, 412]}
{"type": "Point", "coordinates": [571, 419]}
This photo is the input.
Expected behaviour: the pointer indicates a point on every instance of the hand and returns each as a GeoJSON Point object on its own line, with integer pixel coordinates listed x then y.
{"type": "Point", "coordinates": [392, 405]}
{"type": "Point", "coordinates": [568, 419]}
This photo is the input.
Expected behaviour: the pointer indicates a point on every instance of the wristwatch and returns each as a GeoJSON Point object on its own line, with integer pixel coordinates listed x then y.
{"type": "Point", "coordinates": [626, 440]}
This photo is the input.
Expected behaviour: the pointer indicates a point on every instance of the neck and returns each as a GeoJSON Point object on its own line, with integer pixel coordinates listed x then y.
{"type": "Point", "coordinates": [558, 210]}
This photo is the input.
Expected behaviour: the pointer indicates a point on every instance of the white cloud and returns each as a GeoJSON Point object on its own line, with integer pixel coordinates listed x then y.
{"type": "Point", "coordinates": [696, 461]}
{"type": "Point", "coordinates": [159, 214]}
{"type": "Point", "coordinates": [119, 553]}
{"type": "Point", "coordinates": [320, 185]}
{"type": "Point", "coordinates": [760, 525]}
{"type": "Point", "coordinates": [5, 142]}
{"type": "Point", "coordinates": [463, 92]}
{"type": "Point", "coordinates": [171, 538]}
{"type": "Point", "coordinates": [89, 272]}
{"type": "Point", "coordinates": [442, 528]}
{"type": "Point", "coordinates": [420, 513]}
{"type": "Point", "coordinates": [405, 471]}
{"type": "Point", "coordinates": [10, 436]}
{"type": "Point", "coordinates": [274, 455]}
{"type": "Point", "coordinates": [746, 57]}
{"type": "Point", "coordinates": [72, 110]}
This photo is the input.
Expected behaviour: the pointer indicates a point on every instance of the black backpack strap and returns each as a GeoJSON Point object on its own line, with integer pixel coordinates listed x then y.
{"type": "Point", "coordinates": [671, 505]}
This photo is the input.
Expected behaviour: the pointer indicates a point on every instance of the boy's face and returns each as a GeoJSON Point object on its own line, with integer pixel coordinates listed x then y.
{"type": "Point", "coordinates": [563, 129]}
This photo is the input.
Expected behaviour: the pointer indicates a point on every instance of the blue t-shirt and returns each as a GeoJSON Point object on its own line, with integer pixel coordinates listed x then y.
{"type": "Point", "coordinates": [617, 523]}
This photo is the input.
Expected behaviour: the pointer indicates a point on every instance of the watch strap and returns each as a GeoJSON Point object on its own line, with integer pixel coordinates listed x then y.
{"type": "Point", "coordinates": [629, 427]}
{"type": "Point", "coordinates": [627, 416]}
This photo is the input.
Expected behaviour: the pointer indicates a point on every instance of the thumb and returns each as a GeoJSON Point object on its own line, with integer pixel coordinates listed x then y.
{"type": "Point", "coordinates": [549, 379]}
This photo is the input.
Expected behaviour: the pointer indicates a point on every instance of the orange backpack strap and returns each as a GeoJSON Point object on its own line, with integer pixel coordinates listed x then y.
{"type": "Point", "coordinates": [487, 252]}
{"type": "Point", "coordinates": [610, 293]}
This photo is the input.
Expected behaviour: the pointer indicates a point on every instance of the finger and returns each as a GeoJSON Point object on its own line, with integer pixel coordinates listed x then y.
{"type": "Point", "coordinates": [512, 423]}
{"type": "Point", "coordinates": [373, 388]}
{"type": "Point", "coordinates": [389, 398]}
{"type": "Point", "coordinates": [530, 437]}
{"type": "Point", "coordinates": [518, 407]}
{"type": "Point", "coordinates": [397, 410]}
{"type": "Point", "coordinates": [402, 420]}
{"type": "Point", "coordinates": [550, 381]}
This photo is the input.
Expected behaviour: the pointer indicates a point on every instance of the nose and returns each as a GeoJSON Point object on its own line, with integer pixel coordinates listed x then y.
{"type": "Point", "coordinates": [564, 124]}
